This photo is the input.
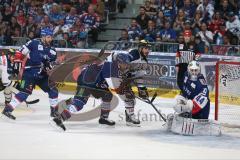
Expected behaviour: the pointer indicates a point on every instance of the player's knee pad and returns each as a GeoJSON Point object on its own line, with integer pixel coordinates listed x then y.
{"type": "Point", "coordinates": [53, 102]}
{"type": "Point", "coordinates": [8, 94]}
{"type": "Point", "coordinates": [129, 102]}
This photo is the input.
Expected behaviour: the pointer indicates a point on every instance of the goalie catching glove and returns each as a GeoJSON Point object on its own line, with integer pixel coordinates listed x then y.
{"type": "Point", "coordinates": [182, 104]}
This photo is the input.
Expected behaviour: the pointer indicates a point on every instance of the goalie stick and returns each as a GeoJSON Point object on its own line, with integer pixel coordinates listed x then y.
{"type": "Point", "coordinates": [148, 101]}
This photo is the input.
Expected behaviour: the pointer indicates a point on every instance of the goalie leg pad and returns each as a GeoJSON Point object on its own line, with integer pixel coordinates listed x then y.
{"type": "Point", "coordinates": [195, 127]}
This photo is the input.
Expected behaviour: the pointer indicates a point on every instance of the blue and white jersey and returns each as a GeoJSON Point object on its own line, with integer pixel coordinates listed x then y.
{"type": "Point", "coordinates": [70, 20]}
{"type": "Point", "coordinates": [101, 76]}
{"type": "Point", "coordinates": [37, 54]}
{"type": "Point", "coordinates": [198, 92]}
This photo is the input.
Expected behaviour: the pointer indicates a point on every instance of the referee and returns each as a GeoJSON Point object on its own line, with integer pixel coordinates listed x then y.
{"type": "Point", "coordinates": [186, 53]}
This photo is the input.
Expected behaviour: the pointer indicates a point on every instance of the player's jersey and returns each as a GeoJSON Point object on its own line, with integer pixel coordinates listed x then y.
{"type": "Point", "coordinates": [37, 55]}
{"type": "Point", "coordinates": [101, 76]}
{"type": "Point", "coordinates": [198, 92]}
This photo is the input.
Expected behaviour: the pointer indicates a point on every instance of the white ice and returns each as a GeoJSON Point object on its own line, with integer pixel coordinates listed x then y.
{"type": "Point", "coordinates": [31, 136]}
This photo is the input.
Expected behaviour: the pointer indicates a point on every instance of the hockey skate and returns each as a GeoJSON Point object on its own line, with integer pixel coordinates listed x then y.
{"type": "Point", "coordinates": [56, 122]}
{"type": "Point", "coordinates": [131, 120]}
{"type": "Point", "coordinates": [106, 121]}
{"type": "Point", "coordinates": [8, 115]}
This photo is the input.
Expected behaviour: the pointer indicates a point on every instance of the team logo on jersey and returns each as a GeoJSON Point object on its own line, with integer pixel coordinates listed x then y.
{"type": "Point", "coordinates": [193, 85]}
{"type": "Point", "coordinates": [40, 47]}
{"type": "Point", "coordinates": [203, 81]}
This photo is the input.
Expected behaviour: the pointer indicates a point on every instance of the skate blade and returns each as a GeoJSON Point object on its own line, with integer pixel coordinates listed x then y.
{"type": "Point", "coordinates": [58, 128]}
{"type": "Point", "coordinates": [132, 125]}
{"type": "Point", "coordinates": [105, 126]}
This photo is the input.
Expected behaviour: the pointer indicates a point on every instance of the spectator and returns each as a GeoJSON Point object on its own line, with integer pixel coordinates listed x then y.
{"type": "Point", "coordinates": [134, 31]}
{"type": "Point", "coordinates": [7, 13]}
{"type": "Point", "coordinates": [167, 34]}
{"type": "Point", "coordinates": [187, 26]}
{"type": "Point", "coordinates": [79, 34]}
{"type": "Point", "coordinates": [7, 38]}
{"type": "Point", "coordinates": [55, 14]}
{"type": "Point", "coordinates": [207, 10]}
{"type": "Point", "coordinates": [59, 29]}
{"type": "Point", "coordinates": [31, 35]}
{"type": "Point", "coordinates": [151, 32]}
{"type": "Point", "coordinates": [169, 10]}
{"type": "Point", "coordinates": [225, 8]}
{"type": "Point", "coordinates": [142, 19]}
{"type": "Point", "coordinates": [47, 7]}
{"type": "Point", "coordinates": [39, 17]}
{"type": "Point", "coordinates": [21, 19]}
{"type": "Point", "coordinates": [65, 41]}
{"type": "Point", "coordinates": [160, 20]}
{"type": "Point", "coordinates": [31, 25]}
{"type": "Point", "coordinates": [197, 21]}
{"type": "Point", "coordinates": [178, 25]}
{"type": "Point", "coordinates": [70, 19]}
{"type": "Point", "coordinates": [199, 44]}
{"type": "Point", "coordinates": [14, 24]}
{"type": "Point", "coordinates": [151, 11]}
{"type": "Point", "coordinates": [46, 22]}
{"type": "Point", "coordinates": [100, 9]}
{"type": "Point", "coordinates": [124, 41]}
{"type": "Point", "coordinates": [121, 5]}
{"type": "Point", "coordinates": [189, 9]}
{"type": "Point", "coordinates": [91, 21]}
{"type": "Point", "coordinates": [206, 36]}
{"type": "Point", "coordinates": [81, 7]}
{"type": "Point", "coordinates": [233, 24]}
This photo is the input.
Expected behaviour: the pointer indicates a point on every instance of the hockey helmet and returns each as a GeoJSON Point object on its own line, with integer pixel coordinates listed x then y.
{"type": "Point", "coordinates": [11, 51]}
{"type": "Point", "coordinates": [123, 61]}
{"type": "Point", "coordinates": [194, 69]}
{"type": "Point", "coordinates": [46, 32]}
{"type": "Point", "coordinates": [144, 43]}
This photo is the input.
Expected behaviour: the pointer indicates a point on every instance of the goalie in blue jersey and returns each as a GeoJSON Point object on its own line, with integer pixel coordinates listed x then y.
{"type": "Point", "coordinates": [192, 106]}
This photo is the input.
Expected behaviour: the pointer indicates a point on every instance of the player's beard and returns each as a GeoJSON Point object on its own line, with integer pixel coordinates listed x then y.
{"type": "Point", "coordinates": [46, 41]}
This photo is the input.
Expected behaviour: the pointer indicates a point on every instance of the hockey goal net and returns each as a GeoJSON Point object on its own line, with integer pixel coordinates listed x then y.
{"type": "Point", "coordinates": [227, 93]}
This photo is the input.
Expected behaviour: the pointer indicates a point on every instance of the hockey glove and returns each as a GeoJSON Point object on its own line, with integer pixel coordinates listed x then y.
{"type": "Point", "coordinates": [143, 93]}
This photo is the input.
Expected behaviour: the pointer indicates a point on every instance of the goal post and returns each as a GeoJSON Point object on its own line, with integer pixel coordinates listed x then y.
{"type": "Point", "coordinates": [227, 92]}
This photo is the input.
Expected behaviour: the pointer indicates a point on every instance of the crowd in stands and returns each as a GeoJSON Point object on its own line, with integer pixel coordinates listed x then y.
{"type": "Point", "coordinates": [73, 21]}
{"type": "Point", "coordinates": [212, 23]}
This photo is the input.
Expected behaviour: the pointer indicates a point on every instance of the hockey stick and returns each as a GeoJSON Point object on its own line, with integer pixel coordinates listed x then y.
{"type": "Point", "coordinates": [151, 103]}
{"type": "Point", "coordinates": [32, 102]}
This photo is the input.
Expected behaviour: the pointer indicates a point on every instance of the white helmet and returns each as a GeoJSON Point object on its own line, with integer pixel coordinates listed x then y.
{"type": "Point", "coordinates": [194, 69]}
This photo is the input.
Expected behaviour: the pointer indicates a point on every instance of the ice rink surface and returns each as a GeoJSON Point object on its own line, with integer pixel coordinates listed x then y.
{"type": "Point", "coordinates": [32, 137]}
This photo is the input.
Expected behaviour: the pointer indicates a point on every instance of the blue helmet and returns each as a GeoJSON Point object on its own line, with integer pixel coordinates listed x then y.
{"type": "Point", "coordinates": [46, 32]}
{"type": "Point", "coordinates": [123, 58]}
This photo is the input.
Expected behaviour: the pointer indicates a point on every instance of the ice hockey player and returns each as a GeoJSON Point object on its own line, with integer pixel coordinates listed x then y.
{"type": "Point", "coordinates": [39, 55]}
{"type": "Point", "coordinates": [98, 81]}
{"type": "Point", "coordinates": [7, 68]}
{"type": "Point", "coordinates": [192, 105]}
{"type": "Point", "coordinates": [139, 57]}
{"type": "Point", "coordinates": [186, 53]}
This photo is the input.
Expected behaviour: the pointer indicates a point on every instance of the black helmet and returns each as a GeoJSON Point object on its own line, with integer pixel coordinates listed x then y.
{"type": "Point", "coordinates": [11, 51]}
{"type": "Point", "coordinates": [144, 43]}
{"type": "Point", "coordinates": [122, 58]}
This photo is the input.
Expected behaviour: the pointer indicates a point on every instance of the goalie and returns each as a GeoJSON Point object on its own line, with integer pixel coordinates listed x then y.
{"type": "Point", "coordinates": [193, 106]}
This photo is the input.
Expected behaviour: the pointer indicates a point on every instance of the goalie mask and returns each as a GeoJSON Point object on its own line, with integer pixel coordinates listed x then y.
{"type": "Point", "coordinates": [193, 70]}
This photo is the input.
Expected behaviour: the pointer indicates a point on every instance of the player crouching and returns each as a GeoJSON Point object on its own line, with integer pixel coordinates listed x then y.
{"type": "Point", "coordinates": [192, 106]}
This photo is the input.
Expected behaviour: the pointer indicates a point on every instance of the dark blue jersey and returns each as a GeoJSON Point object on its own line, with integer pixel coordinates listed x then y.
{"type": "Point", "coordinates": [37, 55]}
{"type": "Point", "coordinates": [198, 92]}
{"type": "Point", "coordinates": [103, 76]}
